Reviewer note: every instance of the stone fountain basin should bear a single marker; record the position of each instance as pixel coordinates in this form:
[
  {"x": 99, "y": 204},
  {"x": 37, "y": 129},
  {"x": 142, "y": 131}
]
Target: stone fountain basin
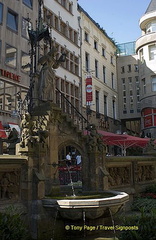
[{"x": 93, "y": 208}]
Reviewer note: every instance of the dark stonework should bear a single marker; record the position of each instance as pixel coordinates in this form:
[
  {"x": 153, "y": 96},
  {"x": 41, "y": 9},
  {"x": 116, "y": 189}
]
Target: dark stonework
[
  {"x": 9, "y": 185},
  {"x": 95, "y": 173}
]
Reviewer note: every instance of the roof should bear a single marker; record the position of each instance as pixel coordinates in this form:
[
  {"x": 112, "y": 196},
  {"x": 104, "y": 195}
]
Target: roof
[{"x": 151, "y": 7}]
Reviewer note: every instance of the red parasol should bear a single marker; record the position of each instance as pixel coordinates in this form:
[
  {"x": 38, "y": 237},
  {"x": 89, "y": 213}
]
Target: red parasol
[{"x": 2, "y": 131}]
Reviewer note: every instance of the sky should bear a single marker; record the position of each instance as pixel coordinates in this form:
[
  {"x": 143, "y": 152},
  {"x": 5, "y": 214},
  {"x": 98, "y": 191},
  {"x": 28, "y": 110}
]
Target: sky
[{"x": 119, "y": 18}]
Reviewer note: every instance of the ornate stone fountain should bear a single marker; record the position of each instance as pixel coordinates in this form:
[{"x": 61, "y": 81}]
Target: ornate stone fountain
[{"x": 45, "y": 129}]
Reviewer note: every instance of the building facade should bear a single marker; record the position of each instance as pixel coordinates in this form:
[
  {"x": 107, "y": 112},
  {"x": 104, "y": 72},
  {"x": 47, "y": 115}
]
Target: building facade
[
  {"x": 98, "y": 56},
  {"x": 128, "y": 88},
  {"x": 146, "y": 51},
  {"x": 63, "y": 19},
  {"x": 15, "y": 18}
]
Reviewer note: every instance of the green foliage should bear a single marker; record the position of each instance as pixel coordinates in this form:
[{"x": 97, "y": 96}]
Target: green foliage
[
  {"x": 145, "y": 203},
  {"x": 11, "y": 225},
  {"x": 146, "y": 226},
  {"x": 151, "y": 189}
]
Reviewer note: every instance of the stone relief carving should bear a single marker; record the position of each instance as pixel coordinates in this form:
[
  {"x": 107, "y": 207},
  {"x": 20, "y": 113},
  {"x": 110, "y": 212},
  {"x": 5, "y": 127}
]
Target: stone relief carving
[
  {"x": 9, "y": 185},
  {"x": 145, "y": 173},
  {"x": 119, "y": 176},
  {"x": 31, "y": 133}
]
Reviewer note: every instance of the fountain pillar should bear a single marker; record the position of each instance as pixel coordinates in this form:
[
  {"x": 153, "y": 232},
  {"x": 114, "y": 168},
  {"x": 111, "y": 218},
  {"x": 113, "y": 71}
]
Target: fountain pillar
[{"x": 94, "y": 170}]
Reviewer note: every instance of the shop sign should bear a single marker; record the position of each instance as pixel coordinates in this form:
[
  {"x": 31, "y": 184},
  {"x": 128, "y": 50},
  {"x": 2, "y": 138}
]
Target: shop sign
[
  {"x": 148, "y": 121},
  {"x": 10, "y": 75},
  {"x": 89, "y": 95}
]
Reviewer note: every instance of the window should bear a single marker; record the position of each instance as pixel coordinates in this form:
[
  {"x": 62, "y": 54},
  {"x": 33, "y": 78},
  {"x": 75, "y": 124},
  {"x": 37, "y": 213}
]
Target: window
[
  {"x": 56, "y": 25},
  {"x": 87, "y": 61},
  {"x": 105, "y": 105},
  {"x": 104, "y": 74},
  {"x": 129, "y": 68},
  {"x": 63, "y": 3},
  {"x": 136, "y": 68},
  {"x": 28, "y": 3},
  {"x": 96, "y": 68},
  {"x": 124, "y": 103},
  {"x": 8, "y": 96},
  {"x": 111, "y": 60},
  {"x": 63, "y": 28},
  {"x": 113, "y": 107},
  {"x": 131, "y": 92},
  {"x": 153, "y": 83},
  {"x": 112, "y": 77},
  {"x": 151, "y": 27},
  {"x": 103, "y": 52},
  {"x": 75, "y": 37},
  {"x": 95, "y": 45},
  {"x": 141, "y": 55},
  {"x": 97, "y": 100},
  {"x": 122, "y": 69},
  {"x": 130, "y": 79},
  {"x": 25, "y": 64},
  {"x": 86, "y": 37},
  {"x": 152, "y": 52},
  {"x": 123, "y": 80},
  {"x": 25, "y": 25},
  {"x": 1, "y": 12},
  {"x": 70, "y": 7},
  {"x": 12, "y": 20},
  {"x": 11, "y": 55},
  {"x": 144, "y": 85},
  {"x": 137, "y": 79}
]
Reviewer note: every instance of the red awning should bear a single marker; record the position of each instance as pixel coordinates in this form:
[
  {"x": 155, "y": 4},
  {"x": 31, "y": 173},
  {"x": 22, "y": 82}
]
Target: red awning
[
  {"x": 108, "y": 136},
  {"x": 128, "y": 141},
  {"x": 123, "y": 141},
  {"x": 2, "y": 131}
]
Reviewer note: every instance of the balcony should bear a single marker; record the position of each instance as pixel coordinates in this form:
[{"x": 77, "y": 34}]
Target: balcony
[{"x": 145, "y": 40}]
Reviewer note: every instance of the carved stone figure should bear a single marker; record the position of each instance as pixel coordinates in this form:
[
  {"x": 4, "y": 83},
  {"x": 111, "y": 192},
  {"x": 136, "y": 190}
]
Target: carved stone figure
[
  {"x": 94, "y": 139},
  {"x": 26, "y": 126},
  {"x": 46, "y": 81}
]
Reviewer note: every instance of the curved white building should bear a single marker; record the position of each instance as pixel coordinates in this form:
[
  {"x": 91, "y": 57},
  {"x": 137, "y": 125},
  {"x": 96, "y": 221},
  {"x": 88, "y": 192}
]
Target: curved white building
[{"x": 146, "y": 50}]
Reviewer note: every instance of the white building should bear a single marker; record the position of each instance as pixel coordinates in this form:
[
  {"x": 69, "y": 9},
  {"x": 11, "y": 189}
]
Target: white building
[
  {"x": 146, "y": 50},
  {"x": 63, "y": 19},
  {"x": 98, "y": 56}
]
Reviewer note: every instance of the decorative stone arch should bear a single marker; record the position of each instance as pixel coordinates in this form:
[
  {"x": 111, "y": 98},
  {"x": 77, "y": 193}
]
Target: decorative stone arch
[{"x": 73, "y": 144}]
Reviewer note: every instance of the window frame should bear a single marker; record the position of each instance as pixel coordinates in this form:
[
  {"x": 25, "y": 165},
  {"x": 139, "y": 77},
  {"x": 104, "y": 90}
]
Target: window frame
[
  {"x": 1, "y": 11},
  {"x": 86, "y": 37},
  {"x": 95, "y": 45},
  {"x": 96, "y": 68},
  {"x": 7, "y": 62},
  {"x": 27, "y": 4},
  {"x": 153, "y": 84},
  {"x": 15, "y": 15},
  {"x": 152, "y": 52},
  {"x": 87, "y": 64},
  {"x": 97, "y": 101}
]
